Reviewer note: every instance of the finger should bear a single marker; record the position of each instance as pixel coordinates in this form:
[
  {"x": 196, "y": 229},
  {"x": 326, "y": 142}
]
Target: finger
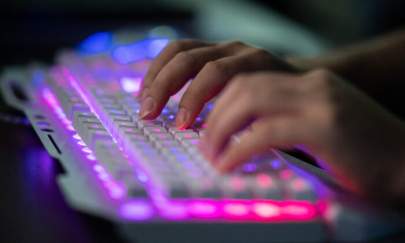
[
  {"x": 238, "y": 116},
  {"x": 176, "y": 73},
  {"x": 212, "y": 79},
  {"x": 278, "y": 132},
  {"x": 165, "y": 56},
  {"x": 227, "y": 97},
  {"x": 279, "y": 83},
  {"x": 244, "y": 100}
]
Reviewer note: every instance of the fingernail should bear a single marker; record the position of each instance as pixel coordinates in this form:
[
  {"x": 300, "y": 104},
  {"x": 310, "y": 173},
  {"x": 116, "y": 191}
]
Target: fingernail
[
  {"x": 147, "y": 106},
  {"x": 182, "y": 118}
]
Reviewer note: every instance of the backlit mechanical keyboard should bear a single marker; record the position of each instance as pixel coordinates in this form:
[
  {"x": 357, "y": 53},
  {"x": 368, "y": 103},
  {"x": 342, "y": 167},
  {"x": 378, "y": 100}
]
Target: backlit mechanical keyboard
[
  {"x": 135, "y": 158},
  {"x": 149, "y": 177}
]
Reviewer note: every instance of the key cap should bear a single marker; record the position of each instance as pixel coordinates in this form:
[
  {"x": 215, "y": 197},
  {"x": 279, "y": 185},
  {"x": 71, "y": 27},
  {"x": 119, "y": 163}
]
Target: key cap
[
  {"x": 153, "y": 123},
  {"x": 236, "y": 186},
  {"x": 98, "y": 135},
  {"x": 205, "y": 188},
  {"x": 186, "y": 135},
  {"x": 159, "y": 136},
  {"x": 154, "y": 130},
  {"x": 133, "y": 186},
  {"x": 267, "y": 186},
  {"x": 300, "y": 189}
]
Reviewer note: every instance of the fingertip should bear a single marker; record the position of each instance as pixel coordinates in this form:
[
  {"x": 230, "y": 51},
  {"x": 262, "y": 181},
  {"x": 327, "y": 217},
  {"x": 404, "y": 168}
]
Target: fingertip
[
  {"x": 223, "y": 166},
  {"x": 230, "y": 159},
  {"x": 183, "y": 118},
  {"x": 148, "y": 107}
]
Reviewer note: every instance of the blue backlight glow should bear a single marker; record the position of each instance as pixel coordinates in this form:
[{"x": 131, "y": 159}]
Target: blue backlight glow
[
  {"x": 96, "y": 43},
  {"x": 148, "y": 48}
]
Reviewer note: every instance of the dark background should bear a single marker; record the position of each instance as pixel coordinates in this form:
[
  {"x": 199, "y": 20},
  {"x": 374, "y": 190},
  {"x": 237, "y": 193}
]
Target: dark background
[
  {"x": 31, "y": 206},
  {"x": 35, "y": 29}
]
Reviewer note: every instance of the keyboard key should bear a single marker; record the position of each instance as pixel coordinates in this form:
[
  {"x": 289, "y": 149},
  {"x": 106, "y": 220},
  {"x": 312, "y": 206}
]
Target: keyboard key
[
  {"x": 300, "y": 189},
  {"x": 267, "y": 186}
]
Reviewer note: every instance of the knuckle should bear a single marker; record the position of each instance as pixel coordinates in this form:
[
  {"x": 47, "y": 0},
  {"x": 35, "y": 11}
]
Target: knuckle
[
  {"x": 175, "y": 46},
  {"x": 216, "y": 67},
  {"x": 179, "y": 45},
  {"x": 184, "y": 57},
  {"x": 321, "y": 74},
  {"x": 321, "y": 81},
  {"x": 234, "y": 44},
  {"x": 260, "y": 52}
]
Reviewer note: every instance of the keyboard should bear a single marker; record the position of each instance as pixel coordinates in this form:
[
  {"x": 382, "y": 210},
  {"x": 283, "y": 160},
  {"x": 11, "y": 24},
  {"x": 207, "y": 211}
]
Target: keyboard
[{"x": 148, "y": 177}]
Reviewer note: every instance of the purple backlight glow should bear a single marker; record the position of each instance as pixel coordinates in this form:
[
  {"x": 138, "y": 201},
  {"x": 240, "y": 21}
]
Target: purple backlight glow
[
  {"x": 136, "y": 210},
  {"x": 91, "y": 157},
  {"x": 81, "y": 143},
  {"x": 204, "y": 209},
  {"x": 255, "y": 210},
  {"x": 86, "y": 150},
  {"x": 77, "y": 137},
  {"x": 114, "y": 190}
]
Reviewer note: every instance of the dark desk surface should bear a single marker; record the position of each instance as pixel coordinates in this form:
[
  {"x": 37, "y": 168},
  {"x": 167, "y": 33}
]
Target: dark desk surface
[{"x": 32, "y": 208}]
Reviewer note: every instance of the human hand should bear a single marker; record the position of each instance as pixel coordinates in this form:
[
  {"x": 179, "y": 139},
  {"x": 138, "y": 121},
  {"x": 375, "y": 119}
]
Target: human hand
[
  {"x": 354, "y": 138},
  {"x": 211, "y": 66}
]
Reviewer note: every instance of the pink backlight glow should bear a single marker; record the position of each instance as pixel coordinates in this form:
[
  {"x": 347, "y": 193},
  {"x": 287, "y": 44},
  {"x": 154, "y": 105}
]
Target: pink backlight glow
[
  {"x": 174, "y": 210},
  {"x": 203, "y": 209},
  {"x": 286, "y": 174},
  {"x": 236, "y": 210},
  {"x": 264, "y": 180},
  {"x": 299, "y": 184},
  {"x": 50, "y": 98},
  {"x": 266, "y": 210},
  {"x": 237, "y": 183},
  {"x": 255, "y": 210},
  {"x": 298, "y": 210}
]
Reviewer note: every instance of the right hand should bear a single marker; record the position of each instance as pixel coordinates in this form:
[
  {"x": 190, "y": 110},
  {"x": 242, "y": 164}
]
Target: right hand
[
  {"x": 357, "y": 141},
  {"x": 211, "y": 66}
]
